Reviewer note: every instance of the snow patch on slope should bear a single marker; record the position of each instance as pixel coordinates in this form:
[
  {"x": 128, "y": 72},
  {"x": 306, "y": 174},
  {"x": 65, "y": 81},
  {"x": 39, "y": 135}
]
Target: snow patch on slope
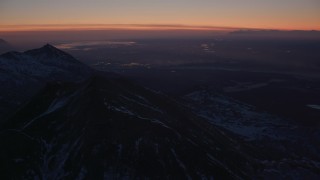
[{"x": 237, "y": 117}]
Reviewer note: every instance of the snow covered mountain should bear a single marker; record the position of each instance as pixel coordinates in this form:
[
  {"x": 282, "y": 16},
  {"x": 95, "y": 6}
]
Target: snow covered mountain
[
  {"x": 76, "y": 123},
  {"x": 47, "y": 63},
  {"x": 23, "y": 74}
]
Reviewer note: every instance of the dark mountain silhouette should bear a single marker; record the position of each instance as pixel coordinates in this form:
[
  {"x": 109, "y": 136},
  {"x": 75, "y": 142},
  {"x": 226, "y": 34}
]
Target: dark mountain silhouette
[
  {"x": 5, "y": 46},
  {"x": 49, "y": 54},
  {"x": 23, "y": 74},
  {"x": 108, "y": 127},
  {"x": 2, "y": 41}
]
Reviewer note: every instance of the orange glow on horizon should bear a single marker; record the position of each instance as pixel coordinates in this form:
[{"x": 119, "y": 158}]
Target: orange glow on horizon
[
  {"x": 204, "y": 15},
  {"x": 80, "y": 27},
  {"x": 133, "y": 27}
]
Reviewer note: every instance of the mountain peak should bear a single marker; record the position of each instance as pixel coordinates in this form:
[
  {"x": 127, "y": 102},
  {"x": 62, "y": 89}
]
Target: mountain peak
[
  {"x": 5, "y": 46},
  {"x": 3, "y": 41},
  {"x": 49, "y": 51},
  {"x": 49, "y": 46}
]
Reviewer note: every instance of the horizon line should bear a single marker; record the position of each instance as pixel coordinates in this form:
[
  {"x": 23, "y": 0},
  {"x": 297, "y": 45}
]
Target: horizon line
[{"x": 155, "y": 27}]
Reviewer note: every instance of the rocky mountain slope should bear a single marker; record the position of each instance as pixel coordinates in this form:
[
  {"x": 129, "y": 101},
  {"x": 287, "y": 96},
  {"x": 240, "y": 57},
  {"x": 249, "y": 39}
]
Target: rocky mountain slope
[
  {"x": 110, "y": 128},
  {"x": 76, "y": 123}
]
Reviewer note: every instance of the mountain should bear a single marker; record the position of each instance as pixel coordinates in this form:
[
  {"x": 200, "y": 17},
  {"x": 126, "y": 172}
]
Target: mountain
[
  {"x": 50, "y": 55},
  {"x": 76, "y": 123},
  {"x": 85, "y": 124},
  {"x": 23, "y": 74},
  {"x": 3, "y": 42},
  {"x": 108, "y": 127},
  {"x": 4, "y": 46}
]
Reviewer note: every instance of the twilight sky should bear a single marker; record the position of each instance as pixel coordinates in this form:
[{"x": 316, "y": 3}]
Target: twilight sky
[{"x": 269, "y": 14}]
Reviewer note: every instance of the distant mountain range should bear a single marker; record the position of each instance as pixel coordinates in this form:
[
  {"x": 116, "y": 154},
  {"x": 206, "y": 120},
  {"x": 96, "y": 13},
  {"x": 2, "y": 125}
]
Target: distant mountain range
[
  {"x": 294, "y": 34},
  {"x": 72, "y": 122}
]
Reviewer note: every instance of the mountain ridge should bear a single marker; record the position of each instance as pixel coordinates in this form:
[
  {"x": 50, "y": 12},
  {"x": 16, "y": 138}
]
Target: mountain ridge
[
  {"x": 24, "y": 73},
  {"x": 5, "y": 46}
]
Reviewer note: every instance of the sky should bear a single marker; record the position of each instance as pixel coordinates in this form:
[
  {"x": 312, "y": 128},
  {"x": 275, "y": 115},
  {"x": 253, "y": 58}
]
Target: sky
[{"x": 60, "y": 14}]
